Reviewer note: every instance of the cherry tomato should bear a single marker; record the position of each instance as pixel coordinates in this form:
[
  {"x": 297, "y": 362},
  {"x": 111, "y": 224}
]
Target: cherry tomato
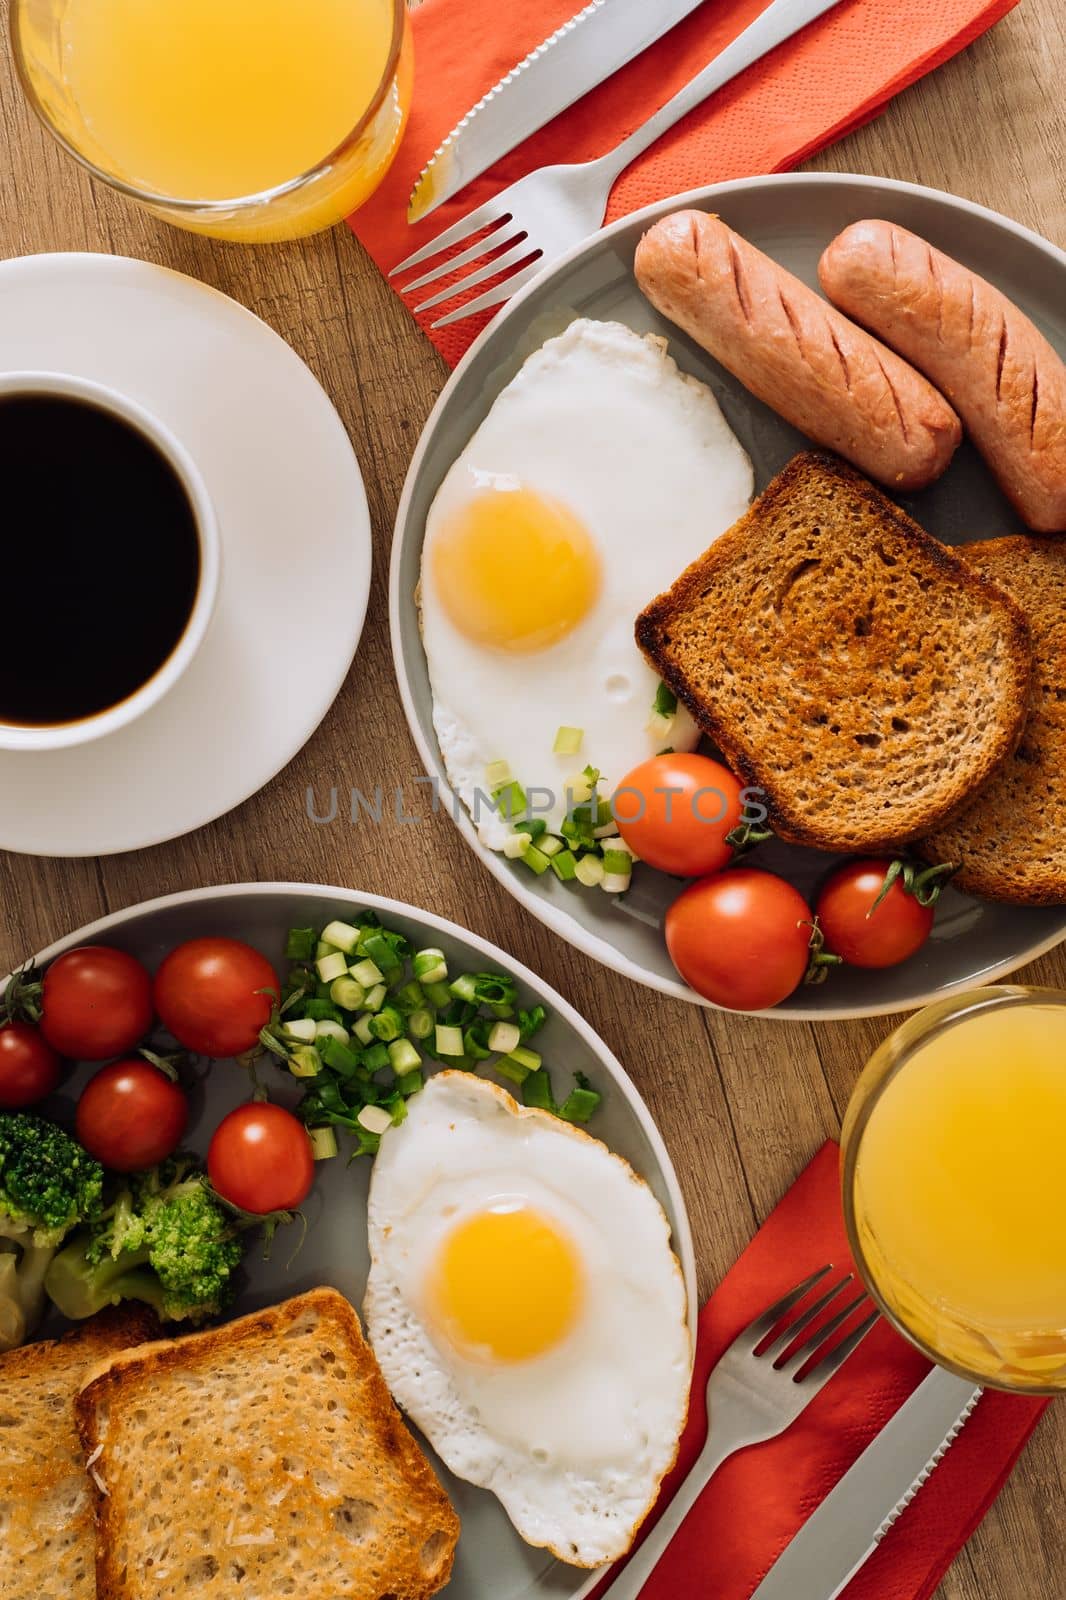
[
  {"x": 131, "y": 1116},
  {"x": 261, "y": 1160},
  {"x": 95, "y": 1002},
  {"x": 675, "y": 812},
  {"x": 865, "y": 937},
  {"x": 741, "y": 938},
  {"x": 210, "y": 994},
  {"x": 29, "y": 1067}
]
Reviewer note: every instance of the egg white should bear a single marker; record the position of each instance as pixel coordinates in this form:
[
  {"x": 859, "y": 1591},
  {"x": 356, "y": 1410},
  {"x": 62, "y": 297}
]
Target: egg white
[
  {"x": 601, "y": 419},
  {"x": 574, "y": 1442}
]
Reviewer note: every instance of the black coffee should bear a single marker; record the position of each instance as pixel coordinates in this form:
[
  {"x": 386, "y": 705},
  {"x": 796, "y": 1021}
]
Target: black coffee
[{"x": 101, "y": 560}]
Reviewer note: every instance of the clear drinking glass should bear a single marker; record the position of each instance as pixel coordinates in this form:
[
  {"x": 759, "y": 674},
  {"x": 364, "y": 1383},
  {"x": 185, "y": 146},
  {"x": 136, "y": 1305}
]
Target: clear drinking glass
[
  {"x": 175, "y": 102},
  {"x": 953, "y": 1185}
]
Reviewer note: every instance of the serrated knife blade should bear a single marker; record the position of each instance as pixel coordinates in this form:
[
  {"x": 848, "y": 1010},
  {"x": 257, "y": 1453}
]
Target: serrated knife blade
[
  {"x": 585, "y": 51},
  {"x": 856, "y": 1515}
]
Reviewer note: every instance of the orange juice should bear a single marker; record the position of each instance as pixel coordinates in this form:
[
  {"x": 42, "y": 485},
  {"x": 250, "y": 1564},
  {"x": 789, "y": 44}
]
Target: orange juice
[
  {"x": 956, "y": 1189},
  {"x": 220, "y": 100}
]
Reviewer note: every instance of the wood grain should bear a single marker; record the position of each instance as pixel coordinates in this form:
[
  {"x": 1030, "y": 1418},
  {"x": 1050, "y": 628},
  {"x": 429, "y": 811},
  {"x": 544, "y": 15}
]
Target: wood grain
[{"x": 742, "y": 1104}]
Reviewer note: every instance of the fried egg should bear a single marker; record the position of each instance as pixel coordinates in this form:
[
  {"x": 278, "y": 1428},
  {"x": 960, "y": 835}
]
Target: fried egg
[
  {"x": 600, "y": 472},
  {"x": 528, "y": 1313}
]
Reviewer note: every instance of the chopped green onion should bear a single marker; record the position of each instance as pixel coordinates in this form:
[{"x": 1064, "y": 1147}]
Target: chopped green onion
[
  {"x": 616, "y": 882},
  {"x": 516, "y": 845},
  {"x": 420, "y": 1023},
  {"x": 525, "y": 1058},
  {"x": 346, "y": 993},
  {"x": 475, "y": 1040},
  {"x": 430, "y": 966},
  {"x": 660, "y": 727},
  {"x": 368, "y": 973},
  {"x": 589, "y": 871},
  {"x": 497, "y": 775},
  {"x": 537, "y": 1091},
  {"x": 665, "y": 702},
  {"x": 511, "y": 798},
  {"x": 615, "y": 859},
  {"x": 301, "y": 1030},
  {"x": 564, "y": 865},
  {"x": 510, "y": 1070},
  {"x": 581, "y": 1102},
  {"x": 340, "y": 1057},
  {"x": 465, "y": 987},
  {"x": 375, "y": 997},
  {"x": 322, "y": 1010},
  {"x": 361, "y": 1029},
  {"x": 323, "y": 1143},
  {"x": 387, "y": 1024},
  {"x": 378, "y": 948},
  {"x": 410, "y": 996},
  {"x": 403, "y": 1057},
  {"x": 504, "y": 1037},
  {"x": 530, "y": 1022},
  {"x": 579, "y": 789},
  {"x": 437, "y": 993},
  {"x": 324, "y": 948},
  {"x": 328, "y": 1029},
  {"x": 332, "y": 966},
  {"x": 568, "y": 741},
  {"x": 534, "y": 826},
  {"x": 374, "y": 1119},
  {"x": 341, "y": 935},
  {"x": 410, "y": 1083},
  {"x": 536, "y": 860},
  {"x": 305, "y": 1062},
  {"x": 300, "y": 944},
  {"x": 375, "y": 1056},
  {"x": 550, "y": 845},
  {"x": 449, "y": 1041}
]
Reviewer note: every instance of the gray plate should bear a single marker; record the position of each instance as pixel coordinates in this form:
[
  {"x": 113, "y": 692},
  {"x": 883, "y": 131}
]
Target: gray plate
[
  {"x": 792, "y": 218},
  {"x": 491, "y": 1559}
]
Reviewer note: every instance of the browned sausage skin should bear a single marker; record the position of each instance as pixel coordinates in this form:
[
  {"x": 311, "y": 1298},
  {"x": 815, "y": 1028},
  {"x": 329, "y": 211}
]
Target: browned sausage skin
[
  {"x": 819, "y": 371},
  {"x": 996, "y": 368}
]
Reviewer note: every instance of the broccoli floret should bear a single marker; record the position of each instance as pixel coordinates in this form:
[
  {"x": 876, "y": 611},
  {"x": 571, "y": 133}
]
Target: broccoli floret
[
  {"x": 48, "y": 1185},
  {"x": 164, "y": 1239}
]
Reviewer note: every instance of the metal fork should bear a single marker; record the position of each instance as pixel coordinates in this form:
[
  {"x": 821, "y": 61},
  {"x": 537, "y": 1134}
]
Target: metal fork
[
  {"x": 754, "y": 1393},
  {"x": 539, "y": 218}
]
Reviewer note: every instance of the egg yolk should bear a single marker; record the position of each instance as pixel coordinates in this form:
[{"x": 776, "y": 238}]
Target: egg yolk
[
  {"x": 515, "y": 570},
  {"x": 507, "y": 1284}
]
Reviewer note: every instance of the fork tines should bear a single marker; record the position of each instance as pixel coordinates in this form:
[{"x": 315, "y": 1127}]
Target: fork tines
[
  {"x": 816, "y": 1355},
  {"x": 500, "y": 249}
]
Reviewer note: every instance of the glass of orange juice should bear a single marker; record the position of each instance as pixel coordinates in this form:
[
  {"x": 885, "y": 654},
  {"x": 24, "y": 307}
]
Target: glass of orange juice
[
  {"x": 245, "y": 119},
  {"x": 953, "y": 1160}
]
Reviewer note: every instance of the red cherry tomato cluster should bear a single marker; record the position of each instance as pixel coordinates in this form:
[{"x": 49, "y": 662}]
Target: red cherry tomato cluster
[
  {"x": 743, "y": 937},
  {"x": 214, "y": 995}
]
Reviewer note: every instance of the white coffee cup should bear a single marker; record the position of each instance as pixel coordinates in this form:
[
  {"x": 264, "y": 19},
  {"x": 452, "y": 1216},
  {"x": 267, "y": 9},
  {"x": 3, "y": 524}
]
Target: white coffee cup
[{"x": 19, "y": 736}]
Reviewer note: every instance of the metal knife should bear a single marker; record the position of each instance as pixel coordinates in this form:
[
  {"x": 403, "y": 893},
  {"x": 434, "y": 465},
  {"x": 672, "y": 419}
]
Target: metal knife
[
  {"x": 856, "y": 1515},
  {"x": 582, "y": 53}
]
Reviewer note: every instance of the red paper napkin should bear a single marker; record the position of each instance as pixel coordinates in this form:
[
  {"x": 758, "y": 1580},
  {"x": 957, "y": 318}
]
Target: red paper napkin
[
  {"x": 759, "y": 1498},
  {"x": 836, "y": 75}
]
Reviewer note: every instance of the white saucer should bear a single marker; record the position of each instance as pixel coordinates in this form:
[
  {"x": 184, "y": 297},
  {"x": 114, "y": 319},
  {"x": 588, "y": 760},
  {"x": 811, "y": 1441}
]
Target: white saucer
[{"x": 295, "y": 551}]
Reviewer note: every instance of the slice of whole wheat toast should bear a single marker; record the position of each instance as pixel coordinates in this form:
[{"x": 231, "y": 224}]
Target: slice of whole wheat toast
[
  {"x": 844, "y": 662},
  {"x": 46, "y": 1519},
  {"x": 1011, "y": 843},
  {"x": 259, "y": 1460}
]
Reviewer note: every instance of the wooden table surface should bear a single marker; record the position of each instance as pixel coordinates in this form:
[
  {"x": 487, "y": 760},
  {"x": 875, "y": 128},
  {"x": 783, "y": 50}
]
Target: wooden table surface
[{"x": 991, "y": 126}]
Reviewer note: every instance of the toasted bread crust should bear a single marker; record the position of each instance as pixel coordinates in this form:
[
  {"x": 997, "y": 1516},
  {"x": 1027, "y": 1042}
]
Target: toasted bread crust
[
  {"x": 1011, "y": 844},
  {"x": 48, "y": 1544},
  {"x": 836, "y": 711},
  {"x": 382, "y": 1525}
]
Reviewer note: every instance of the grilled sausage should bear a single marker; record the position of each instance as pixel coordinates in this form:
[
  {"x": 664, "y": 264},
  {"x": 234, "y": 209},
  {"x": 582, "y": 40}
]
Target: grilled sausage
[
  {"x": 816, "y": 369},
  {"x": 996, "y": 368}
]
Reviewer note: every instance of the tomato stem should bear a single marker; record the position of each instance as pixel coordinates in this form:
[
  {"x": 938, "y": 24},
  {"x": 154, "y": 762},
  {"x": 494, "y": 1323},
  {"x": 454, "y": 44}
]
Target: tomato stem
[
  {"x": 923, "y": 883},
  {"x": 821, "y": 959}
]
